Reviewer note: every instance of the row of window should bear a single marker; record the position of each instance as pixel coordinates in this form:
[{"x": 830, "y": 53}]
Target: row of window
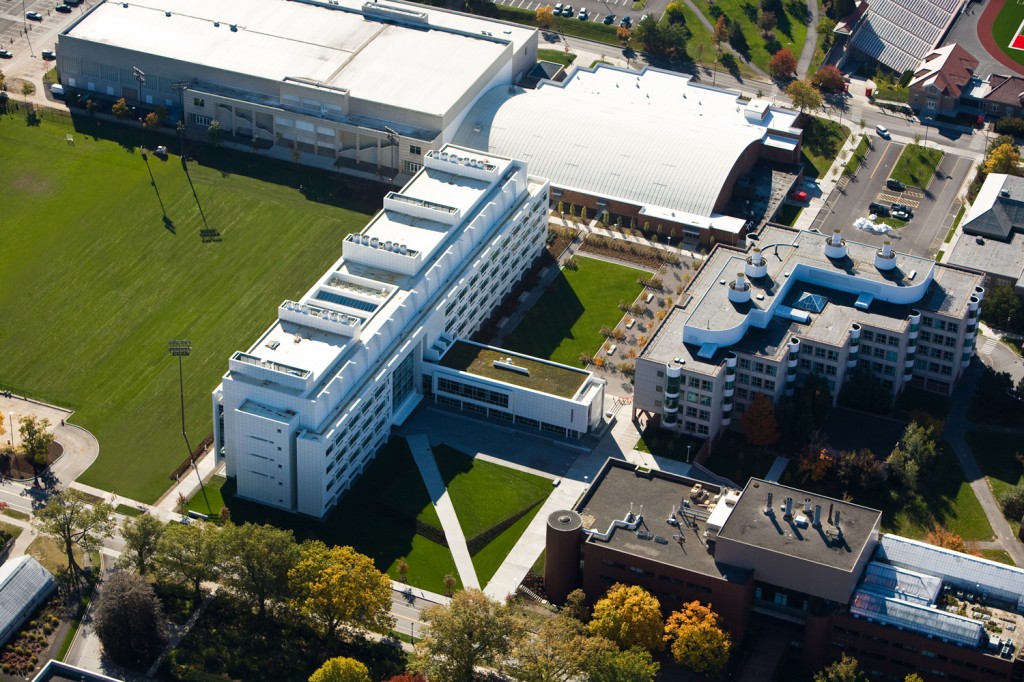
[
  {"x": 940, "y": 325},
  {"x": 758, "y": 366},
  {"x": 938, "y": 339},
  {"x": 820, "y": 352},
  {"x": 756, "y": 382},
  {"x": 477, "y": 393},
  {"x": 702, "y": 384}
]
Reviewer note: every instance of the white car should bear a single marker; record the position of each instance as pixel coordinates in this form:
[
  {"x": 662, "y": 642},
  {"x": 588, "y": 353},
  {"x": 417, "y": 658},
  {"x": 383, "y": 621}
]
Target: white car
[{"x": 882, "y": 131}]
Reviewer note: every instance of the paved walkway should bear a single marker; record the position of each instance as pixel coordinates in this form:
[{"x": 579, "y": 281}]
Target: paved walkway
[
  {"x": 726, "y": 47},
  {"x": 421, "y": 453},
  {"x": 957, "y": 426},
  {"x": 778, "y": 466},
  {"x": 810, "y": 44}
]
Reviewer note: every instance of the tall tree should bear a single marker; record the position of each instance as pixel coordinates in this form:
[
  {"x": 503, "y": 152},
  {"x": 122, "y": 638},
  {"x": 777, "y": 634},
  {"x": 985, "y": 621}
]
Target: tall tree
[
  {"x": 473, "y": 630},
  {"x": 338, "y": 586},
  {"x": 629, "y": 616},
  {"x": 141, "y": 536},
  {"x": 1002, "y": 308},
  {"x": 696, "y": 639},
  {"x": 556, "y": 652},
  {"x": 843, "y": 8},
  {"x": 256, "y": 561},
  {"x": 71, "y": 520},
  {"x": 721, "y": 32},
  {"x": 767, "y": 22},
  {"x": 782, "y": 64},
  {"x": 942, "y": 537},
  {"x": 1003, "y": 159},
  {"x": 214, "y": 133},
  {"x": 128, "y": 620},
  {"x": 829, "y": 79},
  {"x": 804, "y": 95},
  {"x": 759, "y": 425},
  {"x": 188, "y": 553},
  {"x": 341, "y": 669},
  {"x": 607, "y": 663},
  {"x": 545, "y": 16},
  {"x": 35, "y": 442},
  {"x": 843, "y": 670}
]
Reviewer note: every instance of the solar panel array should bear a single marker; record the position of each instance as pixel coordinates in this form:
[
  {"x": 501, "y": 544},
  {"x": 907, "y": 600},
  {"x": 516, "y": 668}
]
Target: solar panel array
[
  {"x": 898, "y": 583},
  {"x": 899, "y": 33},
  {"x": 928, "y": 621}
]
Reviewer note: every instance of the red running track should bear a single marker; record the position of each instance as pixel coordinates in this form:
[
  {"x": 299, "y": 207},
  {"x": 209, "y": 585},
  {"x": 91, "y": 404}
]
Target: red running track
[{"x": 986, "y": 22}]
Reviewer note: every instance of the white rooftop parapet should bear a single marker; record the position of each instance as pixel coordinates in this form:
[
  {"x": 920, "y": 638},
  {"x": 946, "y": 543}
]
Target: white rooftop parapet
[{"x": 462, "y": 163}]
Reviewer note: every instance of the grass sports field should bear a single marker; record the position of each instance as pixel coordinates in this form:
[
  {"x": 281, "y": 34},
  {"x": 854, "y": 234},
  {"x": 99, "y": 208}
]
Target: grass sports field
[
  {"x": 93, "y": 283},
  {"x": 1006, "y": 28},
  {"x": 567, "y": 319}
]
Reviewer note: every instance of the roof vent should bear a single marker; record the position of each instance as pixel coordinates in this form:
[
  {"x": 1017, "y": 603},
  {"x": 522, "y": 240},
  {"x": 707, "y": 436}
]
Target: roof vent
[
  {"x": 167, "y": 14},
  {"x": 216, "y": 23},
  {"x": 1004, "y": 193},
  {"x": 234, "y": 28}
]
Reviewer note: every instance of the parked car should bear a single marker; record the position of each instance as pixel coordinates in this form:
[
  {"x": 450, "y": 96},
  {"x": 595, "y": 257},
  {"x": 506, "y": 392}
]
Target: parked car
[
  {"x": 558, "y": 9},
  {"x": 883, "y": 132},
  {"x": 901, "y": 215},
  {"x": 33, "y": 16},
  {"x": 4, "y": 54},
  {"x": 57, "y": 90},
  {"x": 902, "y": 207},
  {"x": 64, "y": 8},
  {"x": 567, "y": 11},
  {"x": 73, "y": 3},
  {"x": 626, "y": 21},
  {"x": 48, "y": 54},
  {"x": 609, "y": 19},
  {"x": 798, "y": 195},
  {"x": 878, "y": 209},
  {"x": 892, "y": 183},
  {"x": 583, "y": 16}
]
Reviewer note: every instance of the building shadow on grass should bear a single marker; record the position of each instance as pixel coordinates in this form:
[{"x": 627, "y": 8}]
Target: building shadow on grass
[
  {"x": 316, "y": 184},
  {"x": 549, "y": 322}
]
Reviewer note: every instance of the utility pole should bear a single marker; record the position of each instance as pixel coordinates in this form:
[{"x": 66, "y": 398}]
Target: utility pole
[
  {"x": 182, "y": 349},
  {"x": 393, "y": 139},
  {"x": 180, "y": 86}
]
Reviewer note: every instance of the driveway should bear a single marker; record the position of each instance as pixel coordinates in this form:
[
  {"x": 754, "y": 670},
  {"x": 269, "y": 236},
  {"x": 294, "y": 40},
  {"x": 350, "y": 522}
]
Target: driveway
[{"x": 80, "y": 447}]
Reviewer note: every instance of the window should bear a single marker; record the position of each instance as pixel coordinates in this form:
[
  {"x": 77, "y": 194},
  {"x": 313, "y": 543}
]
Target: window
[
  {"x": 691, "y": 397},
  {"x": 940, "y": 325},
  {"x": 769, "y": 385},
  {"x": 199, "y": 102},
  {"x": 771, "y": 370},
  {"x": 200, "y": 120},
  {"x": 894, "y": 341},
  {"x": 693, "y": 382},
  {"x": 744, "y": 363},
  {"x": 868, "y": 335},
  {"x": 807, "y": 348},
  {"x": 704, "y": 415},
  {"x": 756, "y": 382},
  {"x": 881, "y": 338},
  {"x": 706, "y": 385},
  {"x": 704, "y": 400},
  {"x": 805, "y": 363},
  {"x": 925, "y": 336},
  {"x": 819, "y": 352},
  {"x": 759, "y": 367},
  {"x": 952, "y": 327},
  {"x": 742, "y": 393},
  {"x": 691, "y": 411},
  {"x": 411, "y": 167},
  {"x": 878, "y": 352},
  {"x": 660, "y": 374},
  {"x": 743, "y": 379},
  {"x": 830, "y": 370},
  {"x": 415, "y": 149},
  {"x": 890, "y": 356},
  {"x": 819, "y": 367},
  {"x": 833, "y": 356},
  {"x": 947, "y": 356},
  {"x": 949, "y": 342},
  {"x": 703, "y": 429}
]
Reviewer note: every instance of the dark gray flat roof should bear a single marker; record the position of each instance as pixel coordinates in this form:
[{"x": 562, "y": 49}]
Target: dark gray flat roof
[
  {"x": 619, "y": 486},
  {"x": 748, "y": 524}
]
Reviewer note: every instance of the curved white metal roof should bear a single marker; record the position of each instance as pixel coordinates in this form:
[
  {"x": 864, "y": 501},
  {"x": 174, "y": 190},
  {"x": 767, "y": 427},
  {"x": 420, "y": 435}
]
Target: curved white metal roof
[{"x": 652, "y": 138}]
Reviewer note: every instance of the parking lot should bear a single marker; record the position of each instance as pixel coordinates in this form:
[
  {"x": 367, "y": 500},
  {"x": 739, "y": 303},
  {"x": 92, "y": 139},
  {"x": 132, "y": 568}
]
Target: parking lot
[
  {"x": 597, "y": 11},
  {"x": 41, "y": 34},
  {"x": 934, "y": 207}
]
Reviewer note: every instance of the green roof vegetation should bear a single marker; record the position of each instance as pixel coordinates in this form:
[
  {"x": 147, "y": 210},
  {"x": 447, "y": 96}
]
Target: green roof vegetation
[{"x": 543, "y": 376}]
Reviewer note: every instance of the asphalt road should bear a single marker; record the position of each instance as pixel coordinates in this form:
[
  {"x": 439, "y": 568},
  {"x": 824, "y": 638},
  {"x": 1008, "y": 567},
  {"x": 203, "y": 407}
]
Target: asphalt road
[{"x": 935, "y": 208}]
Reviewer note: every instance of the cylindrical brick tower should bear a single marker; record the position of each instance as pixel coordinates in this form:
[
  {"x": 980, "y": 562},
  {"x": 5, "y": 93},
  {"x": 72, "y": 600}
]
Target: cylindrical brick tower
[{"x": 562, "y": 563}]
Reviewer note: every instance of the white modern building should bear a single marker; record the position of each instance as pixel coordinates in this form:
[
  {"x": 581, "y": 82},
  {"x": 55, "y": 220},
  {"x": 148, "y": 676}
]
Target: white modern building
[
  {"x": 301, "y": 413},
  {"x": 366, "y": 88},
  {"x": 761, "y": 319}
]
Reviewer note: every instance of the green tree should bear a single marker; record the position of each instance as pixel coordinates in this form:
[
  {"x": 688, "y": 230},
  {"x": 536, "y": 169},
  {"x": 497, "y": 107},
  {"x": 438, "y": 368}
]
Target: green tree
[
  {"x": 767, "y": 22},
  {"x": 782, "y": 64},
  {"x": 843, "y": 8},
  {"x": 36, "y": 439},
  {"x": 915, "y": 452},
  {"x": 1001, "y": 308},
  {"x": 606, "y": 663},
  {"x": 91, "y": 106},
  {"x": 913, "y": 677},
  {"x": 129, "y": 621},
  {"x": 629, "y": 616},
  {"x": 338, "y": 586},
  {"x": 28, "y": 89},
  {"x": 120, "y": 109},
  {"x": 557, "y": 651},
  {"x": 214, "y": 133},
  {"x": 1012, "y": 502},
  {"x": 341, "y": 669},
  {"x": 473, "y": 630},
  {"x": 72, "y": 520},
  {"x": 758, "y": 422},
  {"x": 863, "y": 391},
  {"x": 576, "y": 606},
  {"x": 1003, "y": 159},
  {"x": 256, "y": 561},
  {"x": 141, "y": 536},
  {"x": 843, "y": 670},
  {"x": 188, "y": 553},
  {"x": 696, "y": 639},
  {"x": 804, "y": 95}
]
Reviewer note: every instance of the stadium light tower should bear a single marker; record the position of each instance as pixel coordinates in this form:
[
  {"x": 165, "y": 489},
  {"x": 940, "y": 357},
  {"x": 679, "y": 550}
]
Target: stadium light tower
[{"x": 182, "y": 349}]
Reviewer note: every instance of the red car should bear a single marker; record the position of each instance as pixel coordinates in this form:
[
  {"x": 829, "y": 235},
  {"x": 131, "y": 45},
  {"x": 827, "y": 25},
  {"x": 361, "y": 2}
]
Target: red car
[{"x": 798, "y": 196}]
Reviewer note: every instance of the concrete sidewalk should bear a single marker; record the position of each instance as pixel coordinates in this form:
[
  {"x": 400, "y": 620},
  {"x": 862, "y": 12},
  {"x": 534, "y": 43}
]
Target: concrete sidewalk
[{"x": 424, "y": 457}]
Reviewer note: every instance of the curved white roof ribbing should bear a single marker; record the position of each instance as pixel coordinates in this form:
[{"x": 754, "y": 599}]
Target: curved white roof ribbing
[{"x": 651, "y": 138}]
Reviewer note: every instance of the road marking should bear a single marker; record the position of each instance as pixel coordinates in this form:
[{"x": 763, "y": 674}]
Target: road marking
[
  {"x": 888, "y": 146},
  {"x": 895, "y": 199},
  {"x": 913, "y": 193}
]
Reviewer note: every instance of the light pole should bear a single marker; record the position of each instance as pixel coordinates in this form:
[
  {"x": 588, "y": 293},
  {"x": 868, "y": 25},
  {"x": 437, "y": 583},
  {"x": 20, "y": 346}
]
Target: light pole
[
  {"x": 688, "y": 446},
  {"x": 393, "y": 139},
  {"x": 12, "y": 428},
  {"x": 182, "y": 349},
  {"x": 180, "y": 87}
]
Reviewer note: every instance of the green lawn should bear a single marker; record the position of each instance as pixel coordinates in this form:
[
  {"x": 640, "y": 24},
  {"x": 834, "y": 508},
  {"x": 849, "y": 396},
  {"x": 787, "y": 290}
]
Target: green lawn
[
  {"x": 567, "y": 320},
  {"x": 945, "y": 499},
  {"x": 487, "y": 561},
  {"x": 858, "y": 157},
  {"x": 530, "y": 373},
  {"x": 379, "y": 516},
  {"x": 212, "y": 502},
  {"x": 670, "y": 444},
  {"x": 822, "y": 141},
  {"x": 11, "y": 529},
  {"x": 557, "y": 56},
  {"x": 94, "y": 284},
  {"x": 996, "y": 454},
  {"x": 590, "y": 30},
  {"x": 1006, "y": 24},
  {"x": 791, "y": 32},
  {"x": 956, "y": 223},
  {"x": 128, "y": 510},
  {"x": 916, "y": 165},
  {"x": 999, "y": 555}
]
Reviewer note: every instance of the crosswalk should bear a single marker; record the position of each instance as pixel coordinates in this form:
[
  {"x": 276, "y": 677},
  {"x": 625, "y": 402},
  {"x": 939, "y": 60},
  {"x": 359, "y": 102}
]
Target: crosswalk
[{"x": 986, "y": 344}]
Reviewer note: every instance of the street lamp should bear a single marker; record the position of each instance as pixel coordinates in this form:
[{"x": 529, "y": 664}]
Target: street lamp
[
  {"x": 182, "y": 349},
  {"x": 393, "y": 139},
  {"x": 11, "y": 441},
  {"x": 688, "y": 446},
  {"x": 180, "y": 87}
]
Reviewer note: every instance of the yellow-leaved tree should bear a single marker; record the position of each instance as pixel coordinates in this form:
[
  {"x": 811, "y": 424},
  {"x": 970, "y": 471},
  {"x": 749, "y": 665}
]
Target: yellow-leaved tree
[
  {"x": 545, "y": 16},
  {"x": 696, "y": 639},
  {"x": 341, "y": 669},
  {"x": 629, "y": 616},
  {"x": 1003, "y": 159},
  {"x": 338, "y": 586}
]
